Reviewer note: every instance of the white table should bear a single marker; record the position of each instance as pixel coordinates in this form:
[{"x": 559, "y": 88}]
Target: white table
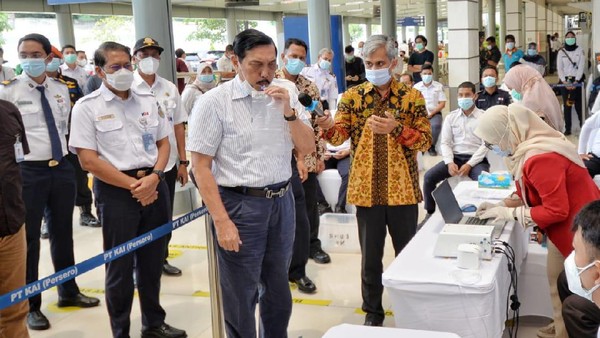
[
  {"x": 359, "y": 331},
  {"x": 432, "y": 293}
]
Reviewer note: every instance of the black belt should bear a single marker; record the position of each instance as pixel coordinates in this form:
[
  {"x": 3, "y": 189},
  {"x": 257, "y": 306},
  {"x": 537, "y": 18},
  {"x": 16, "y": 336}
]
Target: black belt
[
  {"x": 266, "y": 192},
  {"x": 44, "y": 164},
  {"x": 138, "y": 173}
]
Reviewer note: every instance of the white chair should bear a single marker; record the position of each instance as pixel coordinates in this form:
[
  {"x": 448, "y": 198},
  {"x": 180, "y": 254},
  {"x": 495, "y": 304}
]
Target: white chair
[{"x": 330, "y": 182}]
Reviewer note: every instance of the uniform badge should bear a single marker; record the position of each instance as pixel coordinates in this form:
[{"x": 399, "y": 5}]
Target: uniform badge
[{"x": 161, "y": 113}]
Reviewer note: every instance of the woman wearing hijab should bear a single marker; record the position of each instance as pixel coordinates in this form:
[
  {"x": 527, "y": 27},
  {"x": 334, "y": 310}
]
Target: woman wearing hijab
[
  {"x": 205, "y": 81},
  {"x": 570, "y": 64},
  {"x": 552, "y": 183},
  {"x": 530, "y": 89}
]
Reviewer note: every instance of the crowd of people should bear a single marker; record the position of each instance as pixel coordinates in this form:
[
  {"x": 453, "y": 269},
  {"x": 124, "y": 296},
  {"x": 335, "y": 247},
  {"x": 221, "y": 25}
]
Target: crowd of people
[{"x": 256, "y": 152}]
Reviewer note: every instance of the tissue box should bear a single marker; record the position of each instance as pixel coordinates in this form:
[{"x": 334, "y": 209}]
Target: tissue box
[{"x": 498, "y": 180}]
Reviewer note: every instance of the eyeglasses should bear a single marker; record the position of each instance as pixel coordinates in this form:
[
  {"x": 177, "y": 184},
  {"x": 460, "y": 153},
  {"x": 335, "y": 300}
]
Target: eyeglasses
[
  {"x": 116, "y": 68},
  {"x": 488, "y": 145}
]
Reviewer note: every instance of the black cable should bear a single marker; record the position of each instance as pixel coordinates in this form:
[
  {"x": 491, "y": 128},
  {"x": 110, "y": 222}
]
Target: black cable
[{"x": 513, "y": 298}]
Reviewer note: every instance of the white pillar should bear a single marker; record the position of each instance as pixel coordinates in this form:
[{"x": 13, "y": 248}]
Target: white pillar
[
  {"x": 231, "y": 25},
  {"x": 319, "y": 27},
  {"x": 514, "y": 21},
  {"x": 64, "y": 20},
  {"x": 347, "y": 40},
  {"x": 502, "y": 30},
  {"x": 280, "y": 41},
  {"x": 541, "y": 28},
  {"x": 368, "y": 28},
  {"x": 388, "y": 18},
  {"x": 531, "y": 23},
  {"x": 463, "y": 58},
  {"x": 404, "y": 38},
  {"x": 480, "y": 15},
  {"x": 491, "y": 27},
  {"x": 595, "y": 28},
  {"x": 431, "y": 25}
]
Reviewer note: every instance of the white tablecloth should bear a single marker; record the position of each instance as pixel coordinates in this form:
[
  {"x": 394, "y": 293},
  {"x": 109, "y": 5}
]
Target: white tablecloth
[
  {"x": 359, "y": 331},
  {"x": 431, "y": 293}
]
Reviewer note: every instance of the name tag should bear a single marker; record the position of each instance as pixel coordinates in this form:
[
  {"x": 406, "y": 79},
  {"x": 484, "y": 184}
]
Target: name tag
[
  {"x": 23, "y": 103},
  {"x": 19, "y": 154},
  {"x": 149, "y": 143},
  {"x": 105, "y": 117}
]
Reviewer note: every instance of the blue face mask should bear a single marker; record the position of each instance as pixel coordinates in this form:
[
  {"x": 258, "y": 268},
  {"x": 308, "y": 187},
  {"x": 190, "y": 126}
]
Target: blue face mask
[
  {"x": 427, "y": 78},
  {"x": 378, "y": 77},
  {"x": 53, "y": 65},
  {"x": 531, "y": 52},
  {"x": 516, "y": 95},
  {"x": 71, "y": 58},
  {"x": 33, "y": 67},
  {"x": 489, "y": 81},
  {"x": 324, "y": 64},
  {"x": 206, "y": 78},
  {"x": 502, "y": 153},
  {"x": 419, "y": 46},
  {"x": 465, "y": 103},
  {"x": 294, "y": 66}
]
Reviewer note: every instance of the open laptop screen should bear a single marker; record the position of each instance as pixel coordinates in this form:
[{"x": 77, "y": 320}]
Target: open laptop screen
[{"x": 446, "y": 202}]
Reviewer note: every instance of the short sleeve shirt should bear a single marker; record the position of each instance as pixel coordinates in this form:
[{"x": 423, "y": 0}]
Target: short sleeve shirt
[{"x": 419, "y": 59}]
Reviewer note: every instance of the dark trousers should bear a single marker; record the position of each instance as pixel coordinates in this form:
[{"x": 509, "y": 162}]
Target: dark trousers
[
  {"x": 84, "y": 194},
  {"x": 343, "y": 167},
  {"x": 171, "y": 180},
  {"x": 573, "y": 95},
  {"x": 401, "y": 223},
  {"x": 311, "y": 188},
  {"x": 297, "y": 268},
  {"x": 53, "y": 188},
  {"x": 593, "y": 165},
  {"x": 436, "y": 128},
  {"x": 124, "y": 218},
  {"x": 439, "y": 172},
  {"x": 258, "y": 272},
  {"x": 581, "y": 316}
]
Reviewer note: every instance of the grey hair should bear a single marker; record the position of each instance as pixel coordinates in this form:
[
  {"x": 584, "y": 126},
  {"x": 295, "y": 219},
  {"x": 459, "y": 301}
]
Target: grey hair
[
  {"x": 374, "y": 42},
  {"x": 325, "y": 50}
]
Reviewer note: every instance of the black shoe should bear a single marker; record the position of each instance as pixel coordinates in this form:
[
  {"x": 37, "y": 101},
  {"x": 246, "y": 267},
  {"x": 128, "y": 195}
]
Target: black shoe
[
  {"x": 171, "y": 270},
  {"x": 44, "y": 231},
  {"x": 432, "y": 152},
  {"x": 567, "y": 132},
  {"x": 320, "y": 257},
  {"x": 163, "y": 331},
  {"x": 305, "y": 285},
  {"x": 372, "y": 319},
  {"x": 420, "y": 225},
  {"x": 324, "y": 208},
  {"x": 80, "y": 300},
  {"x": 37, "y": 321},
  {"x": 340, "y": 210},
  {"x": 86, "y": 218}
]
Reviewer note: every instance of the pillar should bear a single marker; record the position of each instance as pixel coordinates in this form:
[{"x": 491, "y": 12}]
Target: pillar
[
  {"x": 319, "y": 27},
  {"x": 480, "y": 16},
  {"x": 347, "y": 40},
  {"x": 431, "y": 25},
  {"x": 66, "y": 34},
  {"x": 154, "y": 19},
  {"x": 463, "y": 58},
  {"x": 514, "y": 21},
  {"x": 531, "y": 23},
  {"x": 388, "y": 18},
  {"x": 491, "y": 26},
  {"x": 230, "y": 25},
  {"x": 368, "y": 28},
  {"x": 541, "y": 28},
  {"x": 502, "y": 30},
  {"x": 404, "y": 38},
  {"x": 595, "y": 28},
  {"x": 280, "y": 41}
]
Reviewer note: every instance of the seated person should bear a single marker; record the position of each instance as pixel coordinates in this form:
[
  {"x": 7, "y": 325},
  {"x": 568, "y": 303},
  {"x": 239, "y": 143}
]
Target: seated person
[
  {"x": 589, "y": 144},
  {"x": 463, "y": 153},
  {"x": 435, "y": 101},
  {"x": 533, "y": 59},
  {"x": 337, "y": 158},
  {"x": 491, "y": 95},
  {"x": 407, "y": 79},
  {"x": 578, "y": 284}
]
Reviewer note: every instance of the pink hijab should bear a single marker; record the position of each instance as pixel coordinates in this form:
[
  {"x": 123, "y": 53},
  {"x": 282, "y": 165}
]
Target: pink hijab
[{"x": 537, "y": 94}]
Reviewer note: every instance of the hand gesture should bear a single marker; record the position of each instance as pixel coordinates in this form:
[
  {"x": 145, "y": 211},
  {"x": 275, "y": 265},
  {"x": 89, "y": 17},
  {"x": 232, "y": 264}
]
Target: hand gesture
[
  {"x": 452, "y": 169},
  {"x": 280, "y": 95},
  {"x": 144, "y": 189},
  {"x": 464, "y": 170},
  {"x": 382, "y": 125}
]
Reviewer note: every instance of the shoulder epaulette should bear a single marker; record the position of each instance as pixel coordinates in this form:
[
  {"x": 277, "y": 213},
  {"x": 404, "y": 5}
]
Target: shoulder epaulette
[{"x": 7, "y": 82}]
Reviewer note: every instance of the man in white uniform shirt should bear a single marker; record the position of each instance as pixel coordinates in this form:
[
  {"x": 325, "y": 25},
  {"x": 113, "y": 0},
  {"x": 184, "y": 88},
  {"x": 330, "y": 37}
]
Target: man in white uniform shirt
[
  {"x": 241, "y": 138},
  {"x": 70, "y": 68},
  {"x": 147, "y": 58},
  {"x": 48, "y": 177},
  {"x": 225, "y": 63},
  {"x": 463, "y": 153},
  {"x": 435, "y": 101},
  {"x": 121, "y": 137},
  {"x": 321, "y": 74}
]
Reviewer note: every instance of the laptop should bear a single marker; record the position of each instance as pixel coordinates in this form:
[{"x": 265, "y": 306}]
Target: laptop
[{"x": 452, "y": 214}]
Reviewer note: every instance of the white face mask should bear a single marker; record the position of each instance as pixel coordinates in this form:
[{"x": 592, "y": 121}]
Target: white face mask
[
  {"x": 573, "y": 274},
  {"x": 82, "y": 62},
  {"x": 120, "y": 80},
  {"x": 149, "y": 65}
]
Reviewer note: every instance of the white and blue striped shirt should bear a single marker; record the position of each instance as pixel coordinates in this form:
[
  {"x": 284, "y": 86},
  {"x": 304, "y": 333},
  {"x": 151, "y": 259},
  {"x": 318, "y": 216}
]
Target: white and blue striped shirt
[{"x": 221, "y": 126}]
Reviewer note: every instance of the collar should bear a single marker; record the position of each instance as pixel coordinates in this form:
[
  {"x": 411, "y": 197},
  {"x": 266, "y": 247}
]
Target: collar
[
  {"x": 394, "y": 88},
  {"x": 238, "y": 89},
  {"x": 32, "y": 84},
  {"x": 108, "y": 95},
  {"x": 475, "y": 113},
  {"x": 139, "y": 82},
  {"x": 484, "y": 92}
]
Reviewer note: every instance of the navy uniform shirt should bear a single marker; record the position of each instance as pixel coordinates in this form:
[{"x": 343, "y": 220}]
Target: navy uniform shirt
[
  {"x": 12, "y": 208},
  {"x": 486, "y": 100}
]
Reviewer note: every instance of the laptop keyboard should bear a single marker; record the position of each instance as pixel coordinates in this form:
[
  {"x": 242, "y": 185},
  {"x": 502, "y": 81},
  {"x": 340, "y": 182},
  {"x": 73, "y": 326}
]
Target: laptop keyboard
[{"x": 476, "y": 221}]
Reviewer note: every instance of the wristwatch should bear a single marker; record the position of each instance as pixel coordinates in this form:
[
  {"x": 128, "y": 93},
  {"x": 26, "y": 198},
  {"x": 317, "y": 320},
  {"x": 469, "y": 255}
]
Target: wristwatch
[
  {"x": 159, "y": 173},
  {"x": 291, "y": 118},
  {"x": 184, "y": 163}
]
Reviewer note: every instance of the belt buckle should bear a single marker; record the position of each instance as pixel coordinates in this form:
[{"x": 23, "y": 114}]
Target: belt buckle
[
  {"x": 272, "y": 193},
  {"x": 52, "y": 163}
]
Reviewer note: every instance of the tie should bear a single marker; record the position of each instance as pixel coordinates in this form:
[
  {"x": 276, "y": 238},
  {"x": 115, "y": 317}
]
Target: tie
[{"x": 52, "y": 130}]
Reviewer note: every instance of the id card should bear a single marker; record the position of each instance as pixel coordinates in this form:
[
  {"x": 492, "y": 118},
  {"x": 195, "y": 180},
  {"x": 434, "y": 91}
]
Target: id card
[
  {"x": 63, "y": 127},
  {"x": 19, "y": 154},
  {"x": 149, "y": 142}
]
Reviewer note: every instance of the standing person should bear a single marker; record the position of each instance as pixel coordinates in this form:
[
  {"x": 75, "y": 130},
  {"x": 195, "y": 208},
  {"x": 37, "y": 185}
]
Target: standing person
[
  {"x": 435, "y": 101},
  {"x": 82, "y": 61},
  {"x": 355, "y": 68},
  {"x": 463, "y": 153},
  {"x": 571, "y": 65},
  {"x": 321, "y": 73},
  {"x": 48, "y": 178},
  {"x": 181, "y": 66},
  {"x": 552, "y": 183},
  {"x": 512, "y": 53},
  {"x": 419, "y": 58},
  {"x": 491, "y": 95},
  {"x": 388, "y": 124},
  {"x": 246, "y": 191},
  {"x": 529, "y": 88},
  {"x": 146, "y": 56},
  {"x": 359, "y": 50},
  {"x": 7, "y": 73},
  {"x": 70, "y": 67},
  {"x": 589, "y": 145},
  {"x": 13, "y": 245},
  {"x": 225, "y": 63},
  {"x": 127, "y": 164},
  {"x": 491, "y": 54},
  {"x": 534, "y": 59},
  {"x": 205, "y": 81}
]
